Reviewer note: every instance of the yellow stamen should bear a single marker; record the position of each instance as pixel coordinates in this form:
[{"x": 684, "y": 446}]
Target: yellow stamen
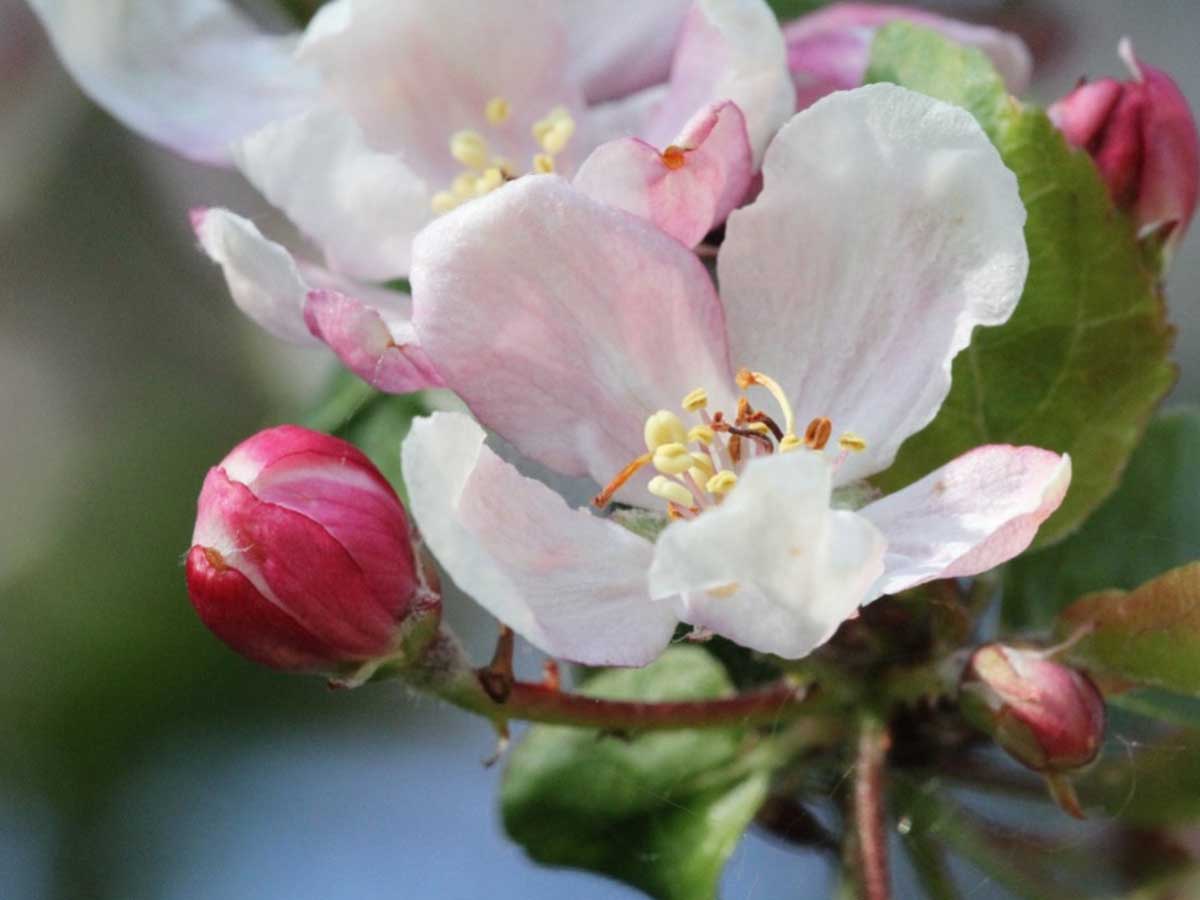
[
  {"x": 851, "y": 441},
  {"x": 721, "y": 483},
  {"x": 724, "y": 591},
  {"x": 555, "y": 140},
  {"x": 696, "y": 400},
  {"x": 672, "y": 459},
  {"x": 745, "y": 378},
  {"x": 543, "y": 163},
  {"x": 664, "y": 427},
  {"x": 488, "y": 182},
  {"x": 470, "y": 148},
  {"x": 758, "y": 427},
  {"x": 701, "y": 433},
  {"x": 497, "y": 111},
  {"x": 603, "y": 498},
  {"x": 816, "y": 435},
  {"x": 443, "y": 202},
  {"x": 789, "y": 442},
  {"x": 671, "y": 491},
  {"x": 702, "y": 463},
  {"x": 463, "y": 185}
]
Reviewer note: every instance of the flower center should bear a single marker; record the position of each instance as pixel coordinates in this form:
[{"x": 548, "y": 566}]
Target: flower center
[
  {"x": 484, "y": 171},
  {"x": 698, "y": 466}
]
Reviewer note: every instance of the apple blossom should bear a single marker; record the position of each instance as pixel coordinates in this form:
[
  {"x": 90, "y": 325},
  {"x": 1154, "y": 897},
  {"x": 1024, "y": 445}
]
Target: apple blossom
[
  {"x": 384, "y": 114},
  {"x": 733, "y": 434},
  {"x": 1143, "y": 139},
  {"x": 828, "y": 50},
  {"x": 302, "y": 556}
]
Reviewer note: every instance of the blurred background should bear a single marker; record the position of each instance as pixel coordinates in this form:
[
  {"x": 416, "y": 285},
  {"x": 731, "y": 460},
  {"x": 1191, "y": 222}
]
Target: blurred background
[{"x": 138, "y": 758}]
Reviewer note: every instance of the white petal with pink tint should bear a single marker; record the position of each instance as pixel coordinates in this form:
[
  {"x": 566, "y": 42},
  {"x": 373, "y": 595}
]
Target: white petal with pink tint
[
  {"x": 360, "y": 206},
  {"x": 194, "y": 75},
  {"x": 263, "y": 279},
  {"x": 971, "y": 515},
  {"x": 570, "y": 583},
  {"x": 564, "y": 323},
  {"x": 685, "y": 193},
  {"x": 412, "y": 73},
  {"x": 886, "y": 230},
  {"x": 728, "y": 50},
  {"x": 772, "y": 568},
  {"x": 377, "y": 343}
]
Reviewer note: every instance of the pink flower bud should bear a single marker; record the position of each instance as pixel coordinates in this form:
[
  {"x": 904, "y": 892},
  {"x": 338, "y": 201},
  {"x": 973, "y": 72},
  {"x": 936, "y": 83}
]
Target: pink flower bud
[
  {"x": 1048, "y": 716},
  {"x": 829, "y": 50},
  {"x": 302, "y": 557},
  {"x": 1143, "y": 139}
]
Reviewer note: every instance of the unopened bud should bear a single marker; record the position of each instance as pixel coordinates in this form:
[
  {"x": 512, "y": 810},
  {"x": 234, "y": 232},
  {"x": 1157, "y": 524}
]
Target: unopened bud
[
  {"x": 302, "y": 558},
  {"x": 1142, "y": 137},
  {"x": 1048, "y": 716}
]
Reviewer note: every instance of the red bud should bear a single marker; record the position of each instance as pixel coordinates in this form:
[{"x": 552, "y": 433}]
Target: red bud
[
  {"x": 302, "y": 557},
  {"x": 1048, "y": 716}
]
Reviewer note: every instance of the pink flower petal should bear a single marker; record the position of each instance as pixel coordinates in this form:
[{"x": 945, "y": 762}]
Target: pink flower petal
[
  {"x": 886, "y": 230},
  {"x": 971, "y": 515},
  {"x": 686, "y": 190},
  {"x": 729, "y": 50},
  {"x": 570, "y": 583},
  {"x": 564, "y": 323},
  {"x": 773, "y": 567},
  {"x": 194, "y": 75},
  {"x": 379, "y": 345}
]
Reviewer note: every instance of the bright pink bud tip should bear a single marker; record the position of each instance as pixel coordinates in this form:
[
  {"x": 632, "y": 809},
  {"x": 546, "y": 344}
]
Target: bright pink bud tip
[
  {"x": 1048, "y": 716},
  {"x": 302, "y": 557},
  {"x": 1143, "y": 139}
]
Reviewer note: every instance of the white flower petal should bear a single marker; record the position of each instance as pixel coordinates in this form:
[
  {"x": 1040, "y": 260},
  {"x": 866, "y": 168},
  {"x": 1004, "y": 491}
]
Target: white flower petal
[
  {"x": 971, "y": 515},
  {"x": 773, "y": 567},
  {"x": 570, "y": 583},
  {"x": 194, "y": 75},
  {"x": 887, "y": 229},
  {"x": 360, "y": 206}
]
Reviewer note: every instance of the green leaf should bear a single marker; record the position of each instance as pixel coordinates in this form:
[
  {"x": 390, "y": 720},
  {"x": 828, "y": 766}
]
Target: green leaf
[
  {"x": 661, "y": 812},
  {"x": 1082, "y": 363},
  {"x": 1150, "y": 636},
  {"x": 1163, "y": 706},
  {"x": 1150, "y": 784},
  {"x": 788, "y": 9},
  {"x": 1152, "y": 522},
  {"x": 344, "y": 396}
]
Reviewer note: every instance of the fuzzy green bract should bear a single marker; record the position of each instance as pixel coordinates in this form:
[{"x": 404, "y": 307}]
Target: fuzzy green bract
[
  {"x": 1083, "y": 362},
  {"x": 661, "y": 812}
]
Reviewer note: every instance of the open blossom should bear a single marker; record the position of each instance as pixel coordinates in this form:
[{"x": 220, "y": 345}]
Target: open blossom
[
  {"x": 829, "y": 50},
  {"x": 1143, "y": 139},
  {"x": 733, "y": 433},
  {"x": 302, "y": 556},
  {"x": 384, "y": 114}
]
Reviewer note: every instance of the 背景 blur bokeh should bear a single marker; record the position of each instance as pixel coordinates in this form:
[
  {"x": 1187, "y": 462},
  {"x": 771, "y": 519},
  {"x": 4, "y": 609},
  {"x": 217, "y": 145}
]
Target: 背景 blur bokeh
[{"x": 138, "y": 757}]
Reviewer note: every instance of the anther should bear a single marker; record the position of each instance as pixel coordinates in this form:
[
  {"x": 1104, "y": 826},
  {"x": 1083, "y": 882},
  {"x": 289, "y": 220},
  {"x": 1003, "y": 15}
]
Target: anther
[
  {"x": 789, "y": 442},
  {"x": 488, "y": 182},
  {"x": 671, "y": 491},
  {"x": 672, "y": 459},
  {"x": 663, "y": 427},
  {"x": 695, "y": 401},
  {"x": 851, "y": 441},
  {"x": 721, "y": 483},
  {"x": 443, "y": 202},
  {"x": 816, "y": 435},
  {"x": 543, "y": 163},
  {"x": 463, "y": 185},
  {"x": 703, "y": 464},
  {"x": 556, "y": 139},
  {"x": 497, "y": 111},
  {"x": 745, "y": 378},
  {"x": 701, "y": 433},
  {"x": 603, "y": 498},
  {"x": 673, "y": 157},
  {"x": 470, "y": 149}
]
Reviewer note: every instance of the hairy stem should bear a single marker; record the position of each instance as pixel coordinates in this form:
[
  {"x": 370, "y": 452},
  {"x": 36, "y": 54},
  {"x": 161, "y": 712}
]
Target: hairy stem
[{"x": 870, "y": 812}]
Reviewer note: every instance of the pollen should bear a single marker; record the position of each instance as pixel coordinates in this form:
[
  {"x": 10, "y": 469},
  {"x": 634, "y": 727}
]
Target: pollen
[
  {"x": 722, "y": 482},
  {"x": 671, "y": 491},
  {"x": 543, "y": 163},
  {"x": 816, "y": 435},
  {"x": 673, "y": 157},
  {"x": 701, "y": 434},
  {"x": 663, "y": 427},
  {"x": 851, "y": 441},
  {"x": 696, "y": 400},
  {"x": 488, "y": 181},
  {"x": 702, "y": 464},
  {"x": 470, "y": 148},
  {"x": 554, "y": 131},
  {"x": 672, "y": 459},
  {"x": 497, "y": 111}
]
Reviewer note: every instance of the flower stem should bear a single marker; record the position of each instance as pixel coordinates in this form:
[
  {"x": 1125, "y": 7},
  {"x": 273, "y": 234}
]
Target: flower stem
[{"x": 870, "y": 813}]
